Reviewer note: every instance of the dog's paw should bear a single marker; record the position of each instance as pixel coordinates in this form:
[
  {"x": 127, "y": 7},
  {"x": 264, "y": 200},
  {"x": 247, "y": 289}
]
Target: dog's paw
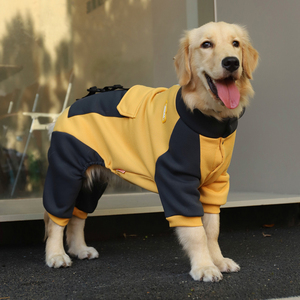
[
  {"x": 206, "y": 274},
  {"x": 84, "y": 252},
  {"x": 227, "y": 265},
  {"x": 58, "y": 261}
]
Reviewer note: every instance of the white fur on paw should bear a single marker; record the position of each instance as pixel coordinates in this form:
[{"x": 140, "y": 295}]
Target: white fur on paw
[
  {"x": 206, "y": 274},
  {"x": 227, "y": 265},
  {"x": 85, "y": 252},
  {"x": 58, "y": 261}
]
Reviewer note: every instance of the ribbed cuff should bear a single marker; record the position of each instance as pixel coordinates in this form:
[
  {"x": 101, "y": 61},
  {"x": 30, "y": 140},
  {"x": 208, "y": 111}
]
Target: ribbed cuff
[
  {"x": 182, "y": 221},
  {"x": 79, "y": 213},
  {"x": 59, "y": 221},
  {"x": 211, "y": 209}
]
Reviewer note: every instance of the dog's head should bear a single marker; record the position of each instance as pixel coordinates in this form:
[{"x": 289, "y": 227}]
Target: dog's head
[{"x": 214, "y": 64}]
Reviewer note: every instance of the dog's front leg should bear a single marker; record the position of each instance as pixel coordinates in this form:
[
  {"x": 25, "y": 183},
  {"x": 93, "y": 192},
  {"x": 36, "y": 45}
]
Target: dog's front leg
[
  {"x": 194, "y": 242},
  {"x": 56, "y": 256},
  {"x": 211, "y": 223},
  {"x": 76, "y": 241}
]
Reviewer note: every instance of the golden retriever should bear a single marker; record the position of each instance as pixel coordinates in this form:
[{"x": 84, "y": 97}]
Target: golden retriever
[{"x": 214, "y": 64}]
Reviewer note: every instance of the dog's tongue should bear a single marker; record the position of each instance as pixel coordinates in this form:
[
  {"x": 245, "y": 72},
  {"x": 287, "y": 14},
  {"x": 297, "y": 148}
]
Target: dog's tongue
[{"x": 228, "y": 92}]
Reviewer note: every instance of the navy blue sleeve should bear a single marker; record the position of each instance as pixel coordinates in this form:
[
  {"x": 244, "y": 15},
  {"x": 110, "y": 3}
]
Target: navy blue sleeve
[{"x": 178, "y": 174}]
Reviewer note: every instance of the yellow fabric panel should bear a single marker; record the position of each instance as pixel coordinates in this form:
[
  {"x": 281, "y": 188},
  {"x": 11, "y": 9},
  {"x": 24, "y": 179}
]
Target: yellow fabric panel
[
  {"x": 140, "y": 94},
  {"x": 215, "y": 193},
  {"x": 141, "y": 138},
  {"x": 214, "y": 161},
  {"x": 176, "y": 221}
]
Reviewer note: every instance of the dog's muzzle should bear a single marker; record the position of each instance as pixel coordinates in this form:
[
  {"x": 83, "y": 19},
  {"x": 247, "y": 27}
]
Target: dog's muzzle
[{"x": 225, "y": 89}]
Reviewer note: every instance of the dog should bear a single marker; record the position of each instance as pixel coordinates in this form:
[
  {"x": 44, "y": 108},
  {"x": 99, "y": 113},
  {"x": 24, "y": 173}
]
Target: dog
[{"x": 179, "y": 144}]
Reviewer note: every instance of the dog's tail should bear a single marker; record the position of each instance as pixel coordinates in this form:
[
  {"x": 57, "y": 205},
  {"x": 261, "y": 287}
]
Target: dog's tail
[{"x": 96, "y": 174}]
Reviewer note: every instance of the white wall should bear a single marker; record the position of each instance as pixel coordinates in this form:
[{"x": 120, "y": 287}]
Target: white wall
[{"x": 266, "y": 156}]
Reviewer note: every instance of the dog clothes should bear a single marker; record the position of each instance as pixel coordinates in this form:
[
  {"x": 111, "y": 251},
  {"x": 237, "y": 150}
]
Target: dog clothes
[{"x": 148, "y": 137}]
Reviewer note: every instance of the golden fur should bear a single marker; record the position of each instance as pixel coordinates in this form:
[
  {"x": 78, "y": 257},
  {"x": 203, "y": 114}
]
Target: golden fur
[{"x": 192, "y": 62}]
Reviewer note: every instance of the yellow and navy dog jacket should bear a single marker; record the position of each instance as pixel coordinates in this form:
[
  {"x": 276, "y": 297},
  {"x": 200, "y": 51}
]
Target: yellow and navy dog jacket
[{"x": 148, "y": 137}]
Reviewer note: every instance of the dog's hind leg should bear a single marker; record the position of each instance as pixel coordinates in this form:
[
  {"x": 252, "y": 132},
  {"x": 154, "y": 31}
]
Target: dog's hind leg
[
  {"x": 93, "y": 187},
  {"x": 76, "y": 241},
  {"x": 56, "y": 256},
  {"x": 211, "y": 223}
]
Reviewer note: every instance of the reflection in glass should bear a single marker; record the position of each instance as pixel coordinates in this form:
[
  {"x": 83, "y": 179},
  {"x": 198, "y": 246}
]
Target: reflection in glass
[{"x": 50, "y": 53}]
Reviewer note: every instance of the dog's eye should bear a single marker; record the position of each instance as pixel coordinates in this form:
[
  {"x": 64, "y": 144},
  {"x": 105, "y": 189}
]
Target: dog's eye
[
  {"x": 235, "y": 44},
  {"x": 206, "y": 45}
]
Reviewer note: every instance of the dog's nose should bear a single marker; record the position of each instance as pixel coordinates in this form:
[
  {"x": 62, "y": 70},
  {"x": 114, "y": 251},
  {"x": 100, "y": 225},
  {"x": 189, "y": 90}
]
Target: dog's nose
[{"x": 230, "y": 63}]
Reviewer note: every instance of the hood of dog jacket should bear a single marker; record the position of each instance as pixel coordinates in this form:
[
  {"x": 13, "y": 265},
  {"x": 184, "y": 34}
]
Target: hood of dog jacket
[{"x": 148, "y": 137}]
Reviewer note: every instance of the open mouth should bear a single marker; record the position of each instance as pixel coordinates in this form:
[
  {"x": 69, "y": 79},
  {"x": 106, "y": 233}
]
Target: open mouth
[{"x": 225, "y": 90}]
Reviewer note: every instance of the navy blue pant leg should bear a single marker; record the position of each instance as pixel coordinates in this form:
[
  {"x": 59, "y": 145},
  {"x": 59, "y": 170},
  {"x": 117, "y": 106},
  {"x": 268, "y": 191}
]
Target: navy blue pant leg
[{"x": 68, "y": 160}]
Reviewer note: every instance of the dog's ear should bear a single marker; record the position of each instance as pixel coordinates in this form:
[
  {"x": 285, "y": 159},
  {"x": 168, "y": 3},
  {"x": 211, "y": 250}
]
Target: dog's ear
[
  {"x": 182, "y": 62},
  {"x": 250, "y": 59}
]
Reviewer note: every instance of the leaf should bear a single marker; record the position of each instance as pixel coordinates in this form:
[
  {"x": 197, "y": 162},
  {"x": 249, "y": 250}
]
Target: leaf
[
  {"x": 266, "y": 234},
  {"x": 268, "y": 225}
]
